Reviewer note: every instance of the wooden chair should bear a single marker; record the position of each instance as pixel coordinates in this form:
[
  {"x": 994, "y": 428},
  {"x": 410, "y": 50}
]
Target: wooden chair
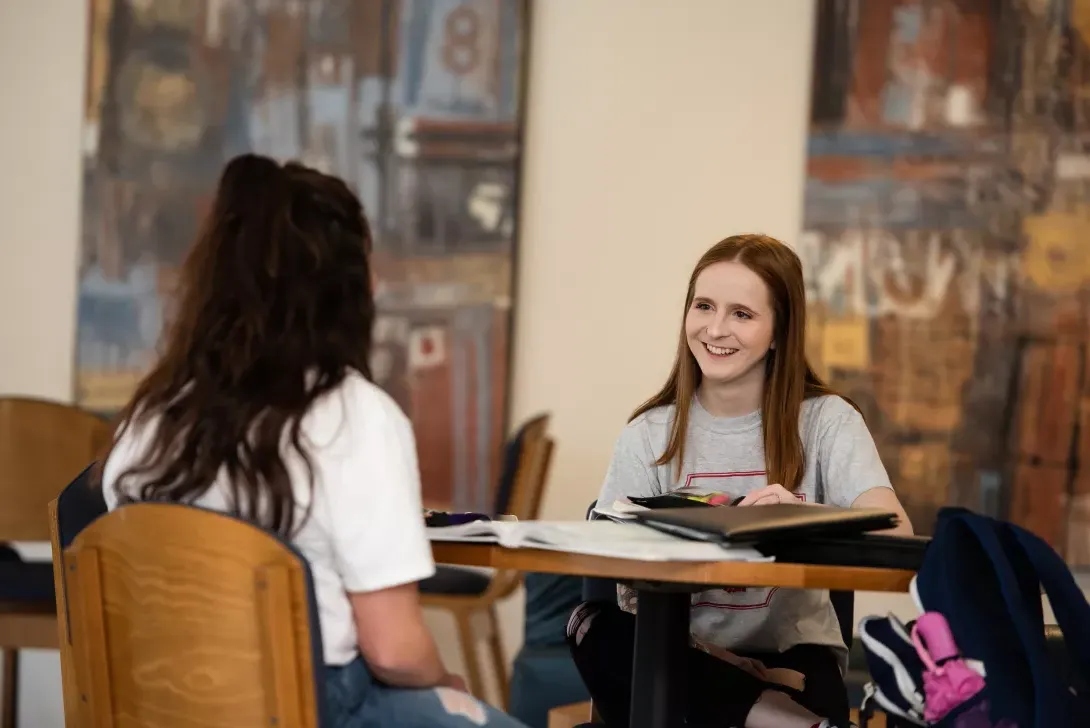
[
  {"x": 182, "y": 616},
  {"x": 466, "y": 593},
  {"x": 42, "y": 446}
]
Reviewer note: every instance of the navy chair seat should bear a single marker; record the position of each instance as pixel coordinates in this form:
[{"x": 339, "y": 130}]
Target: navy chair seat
[
  {"x": 31, "y": 581},
  {"x": 25, "y": 582},
  {"x": 455, "y": 580}
]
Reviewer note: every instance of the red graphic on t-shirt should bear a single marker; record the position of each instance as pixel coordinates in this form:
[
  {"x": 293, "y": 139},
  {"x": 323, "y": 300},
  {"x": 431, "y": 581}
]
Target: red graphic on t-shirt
[
  {"x": 735, "y": 488},
  {"x": 763, "y": 604},
  {"x": 740, "y": 474}
]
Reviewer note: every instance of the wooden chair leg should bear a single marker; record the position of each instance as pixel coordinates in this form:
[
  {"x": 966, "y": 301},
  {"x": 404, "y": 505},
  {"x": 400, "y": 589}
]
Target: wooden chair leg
[
  {"x": 9, "y": 690},
  {"x": 499, "y": 661},
  {"x": 469, "y": 653}
]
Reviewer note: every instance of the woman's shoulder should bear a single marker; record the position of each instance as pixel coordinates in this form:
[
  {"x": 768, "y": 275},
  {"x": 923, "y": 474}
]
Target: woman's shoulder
[
  {"x": 356, "y": 404},
  {"x": 654, "y": 417},
  {"x": 359, "y": 390},
  {"x": 647, "y": 430},
  {"x": 820, "y": 412},
  {"x": 828, "y": 407}
]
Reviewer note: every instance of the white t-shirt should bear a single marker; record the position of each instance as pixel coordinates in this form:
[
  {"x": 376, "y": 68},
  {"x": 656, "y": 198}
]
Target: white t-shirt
[{"x": 366, "y": 528}]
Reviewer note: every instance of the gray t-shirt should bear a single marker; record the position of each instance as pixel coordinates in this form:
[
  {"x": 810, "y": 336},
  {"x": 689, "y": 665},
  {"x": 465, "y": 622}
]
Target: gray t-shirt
[{"x": 726, "y": 454}]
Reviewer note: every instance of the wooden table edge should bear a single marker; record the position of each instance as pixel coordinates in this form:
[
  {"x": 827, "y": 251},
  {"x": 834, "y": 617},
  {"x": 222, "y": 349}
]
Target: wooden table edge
[{"x": 710, "y": 573}]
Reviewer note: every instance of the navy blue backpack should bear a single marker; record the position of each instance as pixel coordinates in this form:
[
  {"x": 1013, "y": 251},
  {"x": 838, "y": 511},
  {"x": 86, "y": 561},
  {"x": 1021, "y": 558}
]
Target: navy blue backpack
[{"x": 986, "y": 576}]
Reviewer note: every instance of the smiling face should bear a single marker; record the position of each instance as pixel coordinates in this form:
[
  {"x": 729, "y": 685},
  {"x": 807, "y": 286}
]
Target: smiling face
[{"x": 730, "y": 325}]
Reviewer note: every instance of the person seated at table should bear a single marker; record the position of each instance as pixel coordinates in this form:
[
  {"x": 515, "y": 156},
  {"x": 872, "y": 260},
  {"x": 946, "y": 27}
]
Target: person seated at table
[
  {"x": 262, "y": 406},
  {"x": 742, "y": 413}
]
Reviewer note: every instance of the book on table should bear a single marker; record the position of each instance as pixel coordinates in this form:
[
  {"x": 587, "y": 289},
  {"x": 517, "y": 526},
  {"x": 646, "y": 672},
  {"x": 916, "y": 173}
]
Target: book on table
[
  {"x": 800, "y": 534},
  {"x": 594, "y": 538}
]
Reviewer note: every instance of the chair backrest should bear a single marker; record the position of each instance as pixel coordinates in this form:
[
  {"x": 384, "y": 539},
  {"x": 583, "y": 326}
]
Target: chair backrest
[
  {"x": 43, "y": 445},
  {"x": 526, "y": 459},
  {"x": 190, "y": 617},
  {"x": 528, "y": 474}
]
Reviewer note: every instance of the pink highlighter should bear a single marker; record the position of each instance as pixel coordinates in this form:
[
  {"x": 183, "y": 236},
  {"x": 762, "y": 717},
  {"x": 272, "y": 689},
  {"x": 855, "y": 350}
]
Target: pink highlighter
[{"x": 722, "y": 499}]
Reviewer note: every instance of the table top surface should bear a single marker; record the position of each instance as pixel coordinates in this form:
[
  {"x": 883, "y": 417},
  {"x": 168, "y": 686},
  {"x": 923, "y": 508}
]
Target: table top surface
[{"x": 710, "y": 573}]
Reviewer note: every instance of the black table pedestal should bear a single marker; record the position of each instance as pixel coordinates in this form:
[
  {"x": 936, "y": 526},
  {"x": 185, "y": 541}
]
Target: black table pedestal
[{"x": 659, "y": 663}]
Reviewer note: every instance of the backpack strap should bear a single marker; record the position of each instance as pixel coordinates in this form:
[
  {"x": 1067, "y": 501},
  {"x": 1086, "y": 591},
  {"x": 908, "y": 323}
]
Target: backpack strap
[
  {"x": 1068, "y": 602},
  {"x": 960, "y": 578},
  {"x": 1050, "y": 698},
  {"x": 1022, "y": 563}
]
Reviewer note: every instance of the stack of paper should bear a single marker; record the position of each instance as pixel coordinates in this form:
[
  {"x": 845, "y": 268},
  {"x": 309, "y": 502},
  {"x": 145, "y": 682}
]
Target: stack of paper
[
  {"x": 621, "y": 510},
  {"x": 595, "y": 538}
]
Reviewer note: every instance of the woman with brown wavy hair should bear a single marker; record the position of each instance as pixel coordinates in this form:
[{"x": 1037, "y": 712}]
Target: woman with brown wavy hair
[
  {"x": 262, "y": 406},
  {"x": 742, "y": 413}
]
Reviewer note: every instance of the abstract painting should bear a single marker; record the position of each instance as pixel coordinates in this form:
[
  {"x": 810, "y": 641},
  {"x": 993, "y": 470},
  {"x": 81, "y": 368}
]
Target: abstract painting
[
  {"x": 417, "y": 104},
  {"x": 947, "y": 249}
]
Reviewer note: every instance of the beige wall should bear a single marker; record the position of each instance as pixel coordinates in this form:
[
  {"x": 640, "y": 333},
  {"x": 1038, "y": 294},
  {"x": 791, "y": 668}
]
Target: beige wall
[
  {"x": 655, "y": 129},
  {"x": 42, "y": 45},
  {"x": 41, "y": 80},
  {"x": 653, "y": 132}
]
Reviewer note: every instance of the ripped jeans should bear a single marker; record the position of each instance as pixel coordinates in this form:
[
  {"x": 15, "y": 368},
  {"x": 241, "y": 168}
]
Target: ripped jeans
[{"x": 355, "y": 700}]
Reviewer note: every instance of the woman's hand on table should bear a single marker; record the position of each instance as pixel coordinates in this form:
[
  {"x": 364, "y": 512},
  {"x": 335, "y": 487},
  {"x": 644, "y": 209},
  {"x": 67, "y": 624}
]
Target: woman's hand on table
[{"x": 769, "y": 495}]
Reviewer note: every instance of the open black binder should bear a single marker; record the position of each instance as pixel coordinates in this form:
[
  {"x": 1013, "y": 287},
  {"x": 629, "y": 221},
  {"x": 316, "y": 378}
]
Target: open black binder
[
  {"x": 801, "y": 534},
  {"x": 763, "y": 523}
]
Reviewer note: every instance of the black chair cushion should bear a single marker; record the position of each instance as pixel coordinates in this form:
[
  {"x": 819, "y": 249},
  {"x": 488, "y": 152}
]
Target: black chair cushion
[
  {"x": 456, "y": 581},
  {"x": 26, "y": 582},
  {"x": 22, "y": 581},
  {"x": 78, "y": 505}
]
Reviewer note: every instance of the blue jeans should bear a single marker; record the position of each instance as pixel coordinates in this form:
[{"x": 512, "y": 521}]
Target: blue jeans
[{"x": 355, "y": 700}]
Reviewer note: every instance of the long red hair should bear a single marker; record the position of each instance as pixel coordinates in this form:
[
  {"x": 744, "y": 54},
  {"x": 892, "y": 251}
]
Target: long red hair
[{"x": 789, "y": 378}]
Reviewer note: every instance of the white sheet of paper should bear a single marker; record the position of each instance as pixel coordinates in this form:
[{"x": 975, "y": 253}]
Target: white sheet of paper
[{"x": 596, "y": 538}]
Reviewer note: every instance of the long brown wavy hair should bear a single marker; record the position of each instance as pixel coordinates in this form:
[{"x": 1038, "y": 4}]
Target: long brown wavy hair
[
  {"x": 789, "y": 378},
  {"x": 273, "y": 308}
]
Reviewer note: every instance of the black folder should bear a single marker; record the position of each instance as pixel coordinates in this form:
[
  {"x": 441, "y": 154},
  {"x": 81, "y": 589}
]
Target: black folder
[
  {"x": 761, "y": 524},
  {"x": 861, "y": 549}
]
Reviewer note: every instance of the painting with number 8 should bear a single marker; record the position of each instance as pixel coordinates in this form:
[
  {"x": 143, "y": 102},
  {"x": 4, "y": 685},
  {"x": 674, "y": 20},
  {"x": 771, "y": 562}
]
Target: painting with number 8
[{"x": 417, "y": 104}]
